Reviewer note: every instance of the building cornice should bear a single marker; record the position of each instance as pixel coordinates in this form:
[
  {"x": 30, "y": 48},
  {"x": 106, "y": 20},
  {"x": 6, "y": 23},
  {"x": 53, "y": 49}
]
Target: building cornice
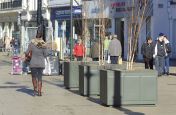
[{"x": 11, "y": 11}]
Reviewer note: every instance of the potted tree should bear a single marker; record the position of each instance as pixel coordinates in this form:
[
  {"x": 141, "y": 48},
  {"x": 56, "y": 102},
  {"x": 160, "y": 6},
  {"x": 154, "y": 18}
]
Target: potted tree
[{"x": 132, "y": 85}]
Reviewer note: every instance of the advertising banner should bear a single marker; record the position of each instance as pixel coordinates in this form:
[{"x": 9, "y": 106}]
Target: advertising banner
[
  {"x": 53, "y": 3},
  {"x": 123, "y": 8},
  {"x": 63, "y": 13}
]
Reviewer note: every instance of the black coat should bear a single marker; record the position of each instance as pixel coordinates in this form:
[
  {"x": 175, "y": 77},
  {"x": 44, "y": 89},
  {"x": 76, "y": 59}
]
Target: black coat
[
  {"x": 147, "y": 50},
  {"x": 161, "y": 49}
]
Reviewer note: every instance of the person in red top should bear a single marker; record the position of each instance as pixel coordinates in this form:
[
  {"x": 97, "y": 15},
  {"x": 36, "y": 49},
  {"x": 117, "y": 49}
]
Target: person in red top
[{"x": 79, "y": 50}]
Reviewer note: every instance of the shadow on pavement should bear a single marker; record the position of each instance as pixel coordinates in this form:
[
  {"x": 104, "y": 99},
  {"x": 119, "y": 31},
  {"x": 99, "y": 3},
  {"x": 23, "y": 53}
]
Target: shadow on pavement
[
  {"x": 129, "y": 112},
  {"x": 11, "y": 83},
  {"x": 9, "y": 87},
  {"x": 122, "y": 109},
  {"x": 75, "y": 91},
  {"x": 59, "y": 84},
  {"x": 173, "y": 74},
  {"x": 26, "y": 91},
  {"x": 95, "y": 100},
  {"x": 5, "y": 61}
]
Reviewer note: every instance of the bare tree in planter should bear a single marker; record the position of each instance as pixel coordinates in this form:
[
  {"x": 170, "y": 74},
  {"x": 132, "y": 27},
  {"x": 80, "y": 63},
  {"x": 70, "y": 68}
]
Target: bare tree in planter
[
  {"x": 100, "y": 23},
  {"x": 137, "y": 13}
]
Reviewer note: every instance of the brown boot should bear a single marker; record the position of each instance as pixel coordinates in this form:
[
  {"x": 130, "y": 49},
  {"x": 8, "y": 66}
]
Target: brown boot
[
  {"x": 39, "y": 88},
  {"x": 34, "y": 82}
]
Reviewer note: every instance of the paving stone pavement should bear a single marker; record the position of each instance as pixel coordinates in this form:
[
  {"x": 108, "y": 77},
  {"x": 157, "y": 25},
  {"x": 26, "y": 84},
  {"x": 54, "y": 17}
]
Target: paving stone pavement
[{"x": 16, "y": 97}]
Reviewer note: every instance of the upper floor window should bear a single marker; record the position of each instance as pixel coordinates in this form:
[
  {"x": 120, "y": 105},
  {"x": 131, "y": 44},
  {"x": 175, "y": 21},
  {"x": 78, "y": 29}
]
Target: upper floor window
[{"x": 10, "y": 4}]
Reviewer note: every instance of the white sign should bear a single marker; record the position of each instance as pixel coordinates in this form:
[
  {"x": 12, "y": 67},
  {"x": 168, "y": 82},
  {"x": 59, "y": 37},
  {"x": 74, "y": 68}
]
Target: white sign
[
  {"x": 53, "y": 3},
  {"x": 58, "y": 2}
]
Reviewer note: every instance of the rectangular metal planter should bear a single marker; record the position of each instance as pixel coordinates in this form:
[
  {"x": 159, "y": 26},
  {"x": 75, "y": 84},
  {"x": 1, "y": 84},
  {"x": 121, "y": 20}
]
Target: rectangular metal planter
[
  {"x": 114, "y": 66},
  {"x": 71, "y": 74},
  {"x": 89, "y": 79},
  {"x": 122, "y": 87}
]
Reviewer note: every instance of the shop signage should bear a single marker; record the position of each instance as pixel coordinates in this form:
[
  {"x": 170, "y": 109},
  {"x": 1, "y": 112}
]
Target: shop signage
[
  {"x": 120, "y": 8},
  {"x": 54, "y": 3},
  {"x": 58, "y": 2},
  {"x": 123, "y": 8},
  {"x": 63, "y": 13},
  {"x": 93, "y": 9}
]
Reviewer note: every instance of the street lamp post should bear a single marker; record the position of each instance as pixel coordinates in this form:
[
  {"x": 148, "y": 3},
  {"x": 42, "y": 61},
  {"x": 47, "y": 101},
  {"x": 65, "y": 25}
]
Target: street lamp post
[
  {"x": 40, "y": 20},
  {"x": 71, "y": 29}
]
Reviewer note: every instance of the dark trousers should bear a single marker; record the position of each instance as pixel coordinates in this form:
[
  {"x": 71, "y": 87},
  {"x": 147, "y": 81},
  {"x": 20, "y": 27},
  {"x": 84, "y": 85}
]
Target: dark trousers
[
  {"x": 95, "y": 59},
  {"x": 79, "y": 58},
  {"x": 114, "y": 59},
  {"x": 148, "y": 63}
]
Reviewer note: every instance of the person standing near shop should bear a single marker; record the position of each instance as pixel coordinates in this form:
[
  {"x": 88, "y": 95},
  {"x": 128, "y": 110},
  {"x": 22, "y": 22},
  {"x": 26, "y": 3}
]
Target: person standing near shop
[
  {"x": 15, "y": 45},
  {"x": 147, "y": 52},
  {"x": 37, "y": 63},
  {"x": 115, "y": 49},
  {"x": 7, "y": 45},
  {"x": 106, "y": 46},
  {"x": 159, "y": 54},
  {"x": 79, "y": 50},
  {"x": 166, "y": 59},
  {"x": 95, "y": 51}
]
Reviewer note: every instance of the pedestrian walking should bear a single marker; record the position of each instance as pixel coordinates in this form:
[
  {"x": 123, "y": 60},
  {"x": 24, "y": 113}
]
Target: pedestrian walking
[
  {"x": 106, "y": 46},
  {"x": 115, "y": 49},
  {"x": 166, "y": 59},
  {"x": 37, "y": 62},
  {"x": 79, "y": 50},
  {"x": 159, "y": 54},
  {"x": 147, "y": 52},
  {"x": 15, "y": 45},
  {"x": 95, "y": 51},
  {"x": 2, "y": 45},
  {"x": 7, "y": 44}
]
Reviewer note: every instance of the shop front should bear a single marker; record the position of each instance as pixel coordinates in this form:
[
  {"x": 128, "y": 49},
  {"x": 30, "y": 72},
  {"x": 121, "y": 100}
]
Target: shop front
[
  {"x": 120, "y": 13},
  {"x": 61, "y": 19}
]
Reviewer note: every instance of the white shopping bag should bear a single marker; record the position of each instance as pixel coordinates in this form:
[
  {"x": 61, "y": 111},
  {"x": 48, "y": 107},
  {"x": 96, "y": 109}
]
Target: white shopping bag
[
  {"x": 47, "y": 70},
  {"x": 120, "y": 60},
  {"x": 109, "y": 60}
]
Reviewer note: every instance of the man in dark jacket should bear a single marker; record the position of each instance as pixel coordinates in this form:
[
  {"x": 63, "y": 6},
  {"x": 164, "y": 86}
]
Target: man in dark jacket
[
  {"x": 159, "y": 54},
  {"x": 147, "y": 52},
  {"x": 168, "y": 51}
]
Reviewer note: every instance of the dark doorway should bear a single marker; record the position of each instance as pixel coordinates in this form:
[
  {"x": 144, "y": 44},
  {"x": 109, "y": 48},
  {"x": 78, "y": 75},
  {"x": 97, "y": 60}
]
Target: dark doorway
[{"x": 119, "y": 30}]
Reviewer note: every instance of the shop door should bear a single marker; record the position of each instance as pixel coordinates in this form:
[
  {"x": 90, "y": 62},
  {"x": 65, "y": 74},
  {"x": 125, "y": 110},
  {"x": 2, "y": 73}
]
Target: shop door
[{"x": 119, "y": 30}]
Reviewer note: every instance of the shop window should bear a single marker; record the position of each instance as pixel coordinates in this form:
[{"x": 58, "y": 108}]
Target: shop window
[
  {"x": 3, "y": 25},
  {"x": 160, "y": 5},
  {"x": 16, "y": 27}
]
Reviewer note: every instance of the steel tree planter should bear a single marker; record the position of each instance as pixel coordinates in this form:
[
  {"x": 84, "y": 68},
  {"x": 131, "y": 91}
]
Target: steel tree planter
[
  {"x": 89, "y": 79},
  {"x": 71, "y": 74},
  {"x": 123, "y": 87}
]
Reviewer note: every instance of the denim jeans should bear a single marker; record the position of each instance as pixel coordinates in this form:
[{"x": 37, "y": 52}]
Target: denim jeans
[
  {"x": 106, "y": 54},
  {"x": 166, "y": 64},
  {"x": 25, "y": 66},
  {"x": 159, "y": 64}
]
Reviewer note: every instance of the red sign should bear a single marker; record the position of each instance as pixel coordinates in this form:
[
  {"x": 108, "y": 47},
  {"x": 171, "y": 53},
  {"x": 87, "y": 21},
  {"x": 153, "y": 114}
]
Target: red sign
[{"x": 118, "y": 4}]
